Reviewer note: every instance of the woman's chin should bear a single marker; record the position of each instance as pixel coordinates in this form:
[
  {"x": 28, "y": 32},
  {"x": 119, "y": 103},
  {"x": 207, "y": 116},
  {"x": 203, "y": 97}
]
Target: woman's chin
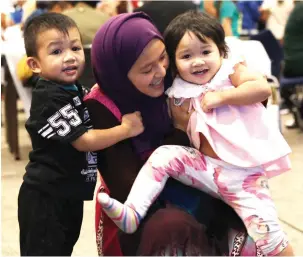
[{"x": 156, "y": 91}]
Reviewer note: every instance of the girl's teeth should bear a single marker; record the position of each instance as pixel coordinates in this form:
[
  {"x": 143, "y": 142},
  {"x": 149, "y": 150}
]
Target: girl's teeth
[{"x": 200, "y": 72}]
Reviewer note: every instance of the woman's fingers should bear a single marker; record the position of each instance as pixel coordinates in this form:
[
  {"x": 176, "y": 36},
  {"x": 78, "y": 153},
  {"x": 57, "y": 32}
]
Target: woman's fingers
[{"x": 180, "y": 113}]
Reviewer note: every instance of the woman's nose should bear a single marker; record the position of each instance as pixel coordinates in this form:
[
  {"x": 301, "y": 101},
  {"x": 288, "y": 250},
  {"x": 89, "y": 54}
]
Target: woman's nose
[{"x": 161, "y": 72}]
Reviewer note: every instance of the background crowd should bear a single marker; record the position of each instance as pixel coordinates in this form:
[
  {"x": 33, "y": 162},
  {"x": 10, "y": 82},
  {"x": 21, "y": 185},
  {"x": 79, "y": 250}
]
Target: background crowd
[{"x": 276, "y": 24}]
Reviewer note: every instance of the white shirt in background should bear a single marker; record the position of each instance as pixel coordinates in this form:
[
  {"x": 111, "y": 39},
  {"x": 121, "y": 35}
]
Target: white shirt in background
[{"x": 279, "y": 13}]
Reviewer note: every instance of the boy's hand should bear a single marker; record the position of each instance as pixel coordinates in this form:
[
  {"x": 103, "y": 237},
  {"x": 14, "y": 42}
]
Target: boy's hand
[
  {"x": 211, "y": 100},
  {"x": 132, "y": 123}
]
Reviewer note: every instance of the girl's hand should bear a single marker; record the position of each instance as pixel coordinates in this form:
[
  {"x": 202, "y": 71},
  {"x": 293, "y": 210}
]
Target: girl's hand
[
  {"x": 211, "y": 100},
  {"x": 180, "y": 114}
]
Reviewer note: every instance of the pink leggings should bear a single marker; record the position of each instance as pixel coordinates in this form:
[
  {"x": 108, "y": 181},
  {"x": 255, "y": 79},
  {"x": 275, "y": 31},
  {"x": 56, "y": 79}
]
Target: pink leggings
[{"x": 244, "y": 189}]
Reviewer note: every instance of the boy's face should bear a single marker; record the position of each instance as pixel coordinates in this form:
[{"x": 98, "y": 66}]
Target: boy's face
[
  {"x": 60, "y": 56},
  {"x": 197, "y": 62}
]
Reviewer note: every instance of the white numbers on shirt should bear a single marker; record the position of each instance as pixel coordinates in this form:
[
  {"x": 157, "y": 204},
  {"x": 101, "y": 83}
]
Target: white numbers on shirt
[
  {"x": 70, "y": 117},
  {"x": 69, "y": 113}
]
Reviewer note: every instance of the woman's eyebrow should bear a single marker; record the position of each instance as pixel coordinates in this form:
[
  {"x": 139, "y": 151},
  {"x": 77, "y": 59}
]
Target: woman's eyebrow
[{"x": 150, "y": 63}]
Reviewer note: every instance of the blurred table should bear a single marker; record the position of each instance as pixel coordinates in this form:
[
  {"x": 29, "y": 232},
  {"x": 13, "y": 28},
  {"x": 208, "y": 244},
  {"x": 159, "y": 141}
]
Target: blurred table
[{"x": 13, "y": 50}]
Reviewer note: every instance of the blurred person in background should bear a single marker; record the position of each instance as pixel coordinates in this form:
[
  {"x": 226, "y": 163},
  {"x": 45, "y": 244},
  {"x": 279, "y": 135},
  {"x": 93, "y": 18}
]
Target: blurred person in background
[
  {"x": 209, "y": 7},
  {"x": 293, "y": 46},
  {"x": 293, "y": 56},
  {"x": 250, "y": 16},
  {"x": 87, "y": 18},
  {"x": 109, "y": 7},
  {"x": 59, "y": 6},
  {"x": 28, "y": 7},
  {"x": 275, "y": 14},
  {"x": 229, "y": 17},
  {"x": 41, "y": 7},
  {"x": 163, "y": 12},
  {"x": 3, "y": 25},
  {"x": 16, "y": 15},
  {"x": 226, "y": 11}
]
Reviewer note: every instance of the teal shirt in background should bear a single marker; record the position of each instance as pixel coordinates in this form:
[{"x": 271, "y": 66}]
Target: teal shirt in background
[{"x": 229, "y": 10}]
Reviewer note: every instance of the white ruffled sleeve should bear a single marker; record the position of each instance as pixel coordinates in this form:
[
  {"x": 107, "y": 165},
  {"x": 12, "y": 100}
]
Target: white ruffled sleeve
[{"x": 183, "y": 89}]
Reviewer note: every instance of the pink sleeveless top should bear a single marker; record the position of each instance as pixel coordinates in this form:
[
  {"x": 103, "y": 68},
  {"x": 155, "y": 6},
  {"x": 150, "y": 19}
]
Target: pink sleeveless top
[{"x": 239, "y": 135}]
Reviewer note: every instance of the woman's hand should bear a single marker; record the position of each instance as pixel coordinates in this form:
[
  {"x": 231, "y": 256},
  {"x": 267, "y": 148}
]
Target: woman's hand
[{"x": 180, "y": 114}]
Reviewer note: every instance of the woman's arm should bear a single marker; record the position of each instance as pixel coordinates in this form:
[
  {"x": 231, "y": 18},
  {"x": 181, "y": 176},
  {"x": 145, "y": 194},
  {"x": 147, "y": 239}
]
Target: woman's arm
[
  {"x": 180, "y": 117},
  {"x": 118, "y": 164}
]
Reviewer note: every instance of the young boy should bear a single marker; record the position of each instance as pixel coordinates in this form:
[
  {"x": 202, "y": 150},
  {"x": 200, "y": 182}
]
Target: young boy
[{"x": 62, "y": 170}]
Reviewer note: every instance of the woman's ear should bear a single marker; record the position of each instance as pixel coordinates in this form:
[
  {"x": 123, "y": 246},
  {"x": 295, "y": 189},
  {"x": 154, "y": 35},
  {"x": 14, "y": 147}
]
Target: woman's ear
[{"x": 33, "y": 64}]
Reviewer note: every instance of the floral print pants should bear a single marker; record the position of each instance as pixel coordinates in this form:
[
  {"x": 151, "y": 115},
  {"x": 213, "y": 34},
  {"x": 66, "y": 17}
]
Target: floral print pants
[{"x": 244, "y": 189}]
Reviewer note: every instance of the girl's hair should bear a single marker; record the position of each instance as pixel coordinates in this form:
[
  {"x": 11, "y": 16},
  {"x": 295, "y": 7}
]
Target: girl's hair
[{"x": 202, "y": 25}]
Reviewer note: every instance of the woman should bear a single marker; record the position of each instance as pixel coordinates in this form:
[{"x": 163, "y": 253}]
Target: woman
[{"x": 129, "y": 62}]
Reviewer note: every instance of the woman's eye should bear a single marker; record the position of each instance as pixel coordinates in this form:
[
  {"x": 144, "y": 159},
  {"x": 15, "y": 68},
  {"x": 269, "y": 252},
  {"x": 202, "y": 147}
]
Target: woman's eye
[
  {"x": 187, "y": 56},
  {"x": 146, "y": 72},
  {"x": 55, "y": 52},
  {"x": 162, "y": 57}
]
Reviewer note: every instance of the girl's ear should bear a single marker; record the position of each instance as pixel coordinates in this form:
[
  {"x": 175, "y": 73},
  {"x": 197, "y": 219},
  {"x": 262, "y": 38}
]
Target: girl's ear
[{"x": 33, "y": 64}]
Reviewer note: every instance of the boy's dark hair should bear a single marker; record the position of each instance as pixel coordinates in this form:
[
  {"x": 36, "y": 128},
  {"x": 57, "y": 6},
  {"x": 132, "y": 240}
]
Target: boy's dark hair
[
  {"x": 201, "y": 24},
  {"x": 41, "y": 23}
]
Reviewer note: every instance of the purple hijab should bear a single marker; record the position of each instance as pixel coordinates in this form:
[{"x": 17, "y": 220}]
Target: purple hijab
[{"x": 115, "y": 48}]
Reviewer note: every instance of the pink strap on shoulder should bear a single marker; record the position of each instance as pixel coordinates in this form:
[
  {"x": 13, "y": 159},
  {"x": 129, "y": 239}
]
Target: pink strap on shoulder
[{"x": 98, "y": 95}]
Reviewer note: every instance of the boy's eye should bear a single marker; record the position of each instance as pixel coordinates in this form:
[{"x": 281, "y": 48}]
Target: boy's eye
[
  {"x": 57, "y": 51},
  {"x": 206, "y": 52},
  {"x": 76, "y": 48},
  {"x": 187, "y": 56}
]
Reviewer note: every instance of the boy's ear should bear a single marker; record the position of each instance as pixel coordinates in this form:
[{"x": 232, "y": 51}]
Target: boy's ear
[{"x": 33, "y": 64}]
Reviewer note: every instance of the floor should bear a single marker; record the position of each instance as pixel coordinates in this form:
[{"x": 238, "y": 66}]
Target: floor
[{"x": 287, "y": 191}]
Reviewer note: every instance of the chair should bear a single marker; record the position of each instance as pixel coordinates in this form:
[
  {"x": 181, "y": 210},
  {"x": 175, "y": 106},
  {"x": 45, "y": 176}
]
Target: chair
[
  {"x": 273, "y": 49},
  {"x": 275, "y": 52}
]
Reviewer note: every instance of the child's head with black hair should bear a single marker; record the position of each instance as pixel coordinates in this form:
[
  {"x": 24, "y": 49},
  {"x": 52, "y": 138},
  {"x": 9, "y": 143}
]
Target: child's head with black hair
[
  {"x": 195, "y": 43},
  {"x": 54, "y": 47}
]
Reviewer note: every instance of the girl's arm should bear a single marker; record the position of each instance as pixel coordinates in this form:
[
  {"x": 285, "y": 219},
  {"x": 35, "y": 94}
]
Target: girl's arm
[{"x": 250, "y": 88}]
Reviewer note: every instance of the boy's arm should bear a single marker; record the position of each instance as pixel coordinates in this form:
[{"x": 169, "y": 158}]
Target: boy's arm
[
  {"x": 69, "y": 123},
  {"x": 250, "y": 88},
  {"x": 98, "y": 139}
]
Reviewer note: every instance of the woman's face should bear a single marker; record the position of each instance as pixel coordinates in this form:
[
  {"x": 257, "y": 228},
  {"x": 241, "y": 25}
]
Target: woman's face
[{"x": 148, "y": 72}]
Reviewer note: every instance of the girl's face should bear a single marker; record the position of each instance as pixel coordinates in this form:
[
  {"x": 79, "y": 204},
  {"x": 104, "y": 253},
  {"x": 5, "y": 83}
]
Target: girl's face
[
  {"x": 197, "y": 62},
  {"x": 148, "y": 72}
]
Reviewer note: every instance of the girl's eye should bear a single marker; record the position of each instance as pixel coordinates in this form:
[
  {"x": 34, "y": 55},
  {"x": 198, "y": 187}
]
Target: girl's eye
[
  {"x": 76, "y": 48},
  {"x": 187, "y": 56},
  {"x": 57, "y": 51},
  {"x": 206, "y": 52}
]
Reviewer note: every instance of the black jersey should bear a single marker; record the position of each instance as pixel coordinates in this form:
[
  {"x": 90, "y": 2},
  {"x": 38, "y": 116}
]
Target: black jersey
[{"x": 57, "y": 118}]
